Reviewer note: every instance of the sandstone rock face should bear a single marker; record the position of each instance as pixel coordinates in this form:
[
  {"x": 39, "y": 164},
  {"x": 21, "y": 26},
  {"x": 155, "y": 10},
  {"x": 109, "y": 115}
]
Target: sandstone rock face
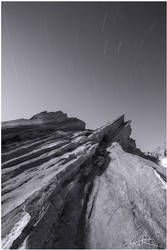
[
  {"x": 77, "y": 188},
  {"x": 126, "y": 208},
  {"x": 42, "y": 123}
]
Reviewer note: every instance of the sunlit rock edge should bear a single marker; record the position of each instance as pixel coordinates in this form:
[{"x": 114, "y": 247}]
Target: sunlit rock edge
[{"x": 64, "y": 186}]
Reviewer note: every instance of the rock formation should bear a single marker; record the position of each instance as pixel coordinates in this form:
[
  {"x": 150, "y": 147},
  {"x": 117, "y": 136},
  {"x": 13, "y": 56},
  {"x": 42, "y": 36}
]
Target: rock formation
[{"x": 64, "y": 186}]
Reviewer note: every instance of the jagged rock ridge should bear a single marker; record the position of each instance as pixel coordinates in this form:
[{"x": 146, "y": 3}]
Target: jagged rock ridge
[{"x": 64, "y": 186}]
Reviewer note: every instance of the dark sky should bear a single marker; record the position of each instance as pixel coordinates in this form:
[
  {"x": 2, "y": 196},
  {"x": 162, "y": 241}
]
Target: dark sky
[{"x": 91, "y": 60}]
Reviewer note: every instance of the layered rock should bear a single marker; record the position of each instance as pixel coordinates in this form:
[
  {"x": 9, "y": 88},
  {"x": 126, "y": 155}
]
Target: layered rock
[
  {"x": 70, "y": 187},
  {"x": 39, "y": 125}
]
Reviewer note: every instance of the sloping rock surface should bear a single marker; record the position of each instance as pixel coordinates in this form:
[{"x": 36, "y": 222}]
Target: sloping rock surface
[
  {"x": 64, "y": 186},
  {"x": 39, "y": 125},
  {"x": 126, "y": 207}
]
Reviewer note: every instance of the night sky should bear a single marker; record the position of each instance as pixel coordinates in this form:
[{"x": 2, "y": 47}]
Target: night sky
[{"x": 92, "y": 60}]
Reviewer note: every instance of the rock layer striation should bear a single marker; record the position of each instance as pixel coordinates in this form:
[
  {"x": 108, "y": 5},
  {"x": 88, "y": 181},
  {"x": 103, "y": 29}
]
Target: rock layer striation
[{"x": 64, "y": 186}]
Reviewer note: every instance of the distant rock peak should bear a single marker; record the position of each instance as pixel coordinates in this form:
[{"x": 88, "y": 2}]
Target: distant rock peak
[
  {"x": 58, "y": 120},
  {"x": 59, "y": 115}
]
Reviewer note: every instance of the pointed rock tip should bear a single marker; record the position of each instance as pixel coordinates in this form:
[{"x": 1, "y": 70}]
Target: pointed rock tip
[{"x": 121, "y": 117}]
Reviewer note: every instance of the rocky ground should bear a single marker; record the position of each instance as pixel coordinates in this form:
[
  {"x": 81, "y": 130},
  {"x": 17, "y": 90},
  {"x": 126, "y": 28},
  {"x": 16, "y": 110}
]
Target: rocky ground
[{"x": 64, "y": 186}]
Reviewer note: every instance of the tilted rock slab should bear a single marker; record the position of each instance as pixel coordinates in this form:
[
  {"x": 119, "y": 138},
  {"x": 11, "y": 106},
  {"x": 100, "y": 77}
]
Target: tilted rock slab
[
  {"x": 126, "y": 208},
  {"x": 64, "y": 186}
]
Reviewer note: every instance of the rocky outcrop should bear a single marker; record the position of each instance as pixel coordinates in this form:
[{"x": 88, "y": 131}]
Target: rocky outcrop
[
  {"x": 40, "y": 124},
  {"x": 126, "y": 207},
  {"x": 78, "y": 188},
  {"x": 59, "y": 116}
]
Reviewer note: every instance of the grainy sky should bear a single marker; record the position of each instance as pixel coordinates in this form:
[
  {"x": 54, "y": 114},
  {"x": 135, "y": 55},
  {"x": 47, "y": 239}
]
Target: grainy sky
[{"x": 91, "y": 60}]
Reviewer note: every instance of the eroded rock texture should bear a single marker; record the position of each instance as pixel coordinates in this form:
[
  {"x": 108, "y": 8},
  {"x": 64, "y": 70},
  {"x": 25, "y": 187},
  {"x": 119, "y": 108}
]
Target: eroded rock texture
[{"x": 64, "y": 186}]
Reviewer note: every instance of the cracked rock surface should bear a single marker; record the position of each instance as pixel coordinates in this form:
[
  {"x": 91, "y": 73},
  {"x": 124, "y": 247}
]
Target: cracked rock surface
[{"x": 64, "y": 186}]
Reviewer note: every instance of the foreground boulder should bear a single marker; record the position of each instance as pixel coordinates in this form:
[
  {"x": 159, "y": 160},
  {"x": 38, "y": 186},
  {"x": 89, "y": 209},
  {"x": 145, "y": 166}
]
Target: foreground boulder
[{"x": 64, "y": 186}]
